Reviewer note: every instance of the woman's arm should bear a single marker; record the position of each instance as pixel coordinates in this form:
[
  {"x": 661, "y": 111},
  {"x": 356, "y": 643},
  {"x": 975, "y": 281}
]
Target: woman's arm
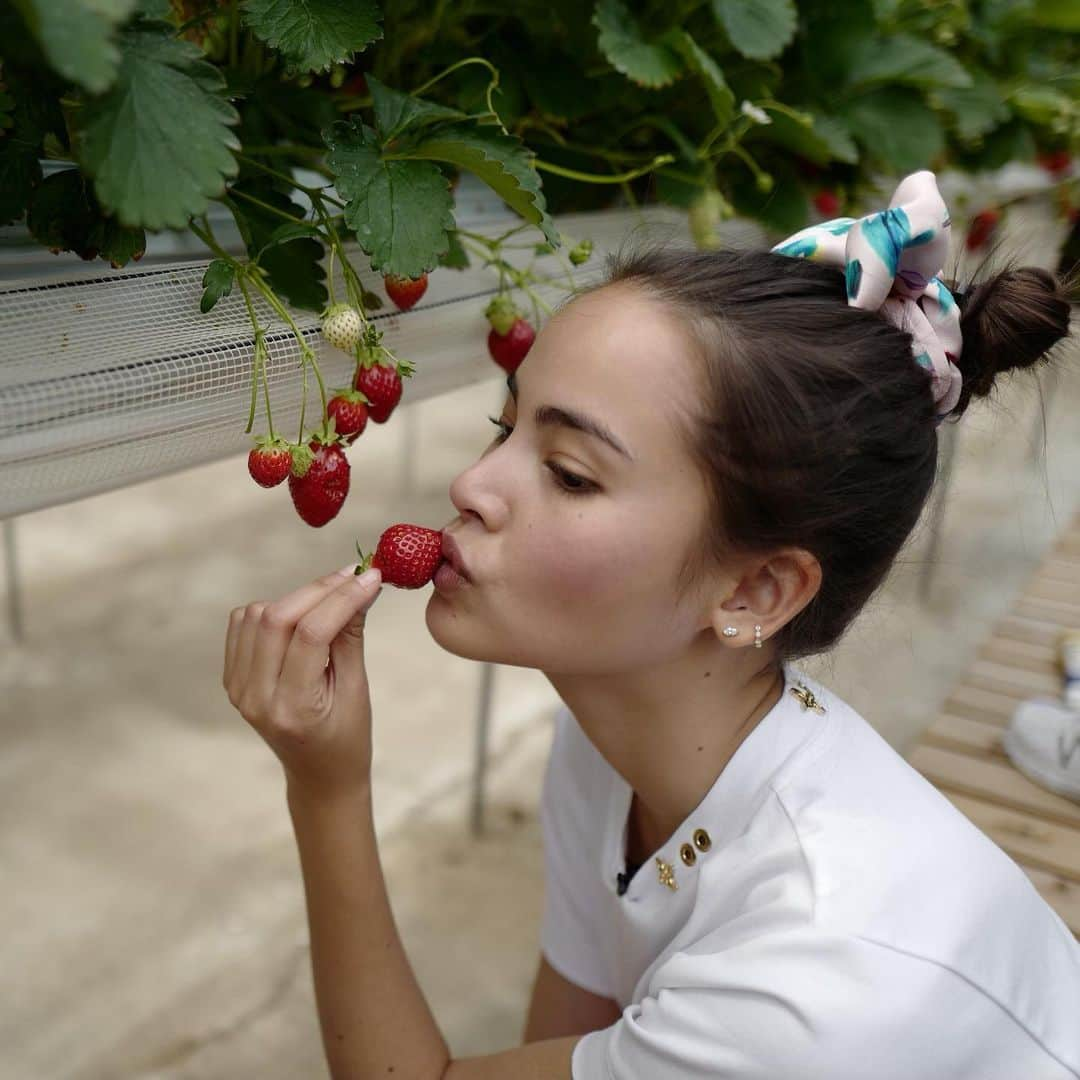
[
  {"x": 374, "y": 1018},
  {"x": 372, "y": 1012}
]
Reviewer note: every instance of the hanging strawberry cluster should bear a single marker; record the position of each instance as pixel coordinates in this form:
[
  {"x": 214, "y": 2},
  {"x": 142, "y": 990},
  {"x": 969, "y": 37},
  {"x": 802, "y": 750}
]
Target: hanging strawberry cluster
[{"x": 384, "y": 174}]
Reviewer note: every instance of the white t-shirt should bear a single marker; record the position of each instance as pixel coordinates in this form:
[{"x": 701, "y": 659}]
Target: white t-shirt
[{"x": 835, "y": 918}]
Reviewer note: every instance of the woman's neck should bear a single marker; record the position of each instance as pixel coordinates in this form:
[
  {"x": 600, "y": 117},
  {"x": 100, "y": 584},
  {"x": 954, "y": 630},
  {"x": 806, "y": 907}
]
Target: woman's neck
[{"x": 670, "y": 733}]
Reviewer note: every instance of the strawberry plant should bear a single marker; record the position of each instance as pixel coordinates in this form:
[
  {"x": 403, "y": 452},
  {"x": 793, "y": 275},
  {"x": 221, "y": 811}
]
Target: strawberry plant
[{"x": 775, "y": 110}]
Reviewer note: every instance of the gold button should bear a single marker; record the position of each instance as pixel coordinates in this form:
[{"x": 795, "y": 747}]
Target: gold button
[
  {"x": 689, "y": 856},
  {"x": 701, "y": 840}
]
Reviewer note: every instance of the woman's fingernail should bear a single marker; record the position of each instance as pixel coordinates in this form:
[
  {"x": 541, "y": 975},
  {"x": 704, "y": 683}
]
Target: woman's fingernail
[
  {"x": 369, "y": 577},
  {"x": 347, "y": 571}
]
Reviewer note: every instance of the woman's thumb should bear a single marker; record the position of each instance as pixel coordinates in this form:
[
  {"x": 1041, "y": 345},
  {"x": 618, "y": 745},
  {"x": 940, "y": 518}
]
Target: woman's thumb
[{"x": 347, "y": 649}]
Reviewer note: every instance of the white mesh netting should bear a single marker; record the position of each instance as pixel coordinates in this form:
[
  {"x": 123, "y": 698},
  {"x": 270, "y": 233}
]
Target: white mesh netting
[{"x": 112, "y": 379}]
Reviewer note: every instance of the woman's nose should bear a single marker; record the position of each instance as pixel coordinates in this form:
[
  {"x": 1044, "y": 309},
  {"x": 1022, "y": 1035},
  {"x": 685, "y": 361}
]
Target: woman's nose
[{"x": 475, "y": 492}]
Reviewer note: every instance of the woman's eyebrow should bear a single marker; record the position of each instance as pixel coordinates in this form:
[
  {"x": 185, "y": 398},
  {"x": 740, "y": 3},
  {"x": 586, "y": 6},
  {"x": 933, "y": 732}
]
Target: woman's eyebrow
[{"x": 556, "y": 416}]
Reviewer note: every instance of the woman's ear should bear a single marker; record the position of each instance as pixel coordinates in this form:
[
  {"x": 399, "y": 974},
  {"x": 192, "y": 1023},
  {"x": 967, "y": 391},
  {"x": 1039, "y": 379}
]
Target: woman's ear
[{"x": 770, "y": 593}]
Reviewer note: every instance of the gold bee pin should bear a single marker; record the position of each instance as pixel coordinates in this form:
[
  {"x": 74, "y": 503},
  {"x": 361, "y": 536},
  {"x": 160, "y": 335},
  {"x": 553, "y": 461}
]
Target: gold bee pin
[
  {"x": 806, "y": 698},
  {"x": 667, "y": 874}
]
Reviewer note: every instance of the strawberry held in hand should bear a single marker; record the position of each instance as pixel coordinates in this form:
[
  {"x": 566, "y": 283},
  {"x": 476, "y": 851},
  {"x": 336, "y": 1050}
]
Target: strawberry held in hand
[
  {"x": 407, "y": 555},
  {"x": 319, "y": 480}
]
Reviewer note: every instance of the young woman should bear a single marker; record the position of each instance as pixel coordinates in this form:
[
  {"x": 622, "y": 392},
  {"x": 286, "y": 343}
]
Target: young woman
[{"x": 705, "y": 468}]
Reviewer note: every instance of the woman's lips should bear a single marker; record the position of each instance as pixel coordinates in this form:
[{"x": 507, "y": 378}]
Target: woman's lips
[{"x": 452, "y": 554}]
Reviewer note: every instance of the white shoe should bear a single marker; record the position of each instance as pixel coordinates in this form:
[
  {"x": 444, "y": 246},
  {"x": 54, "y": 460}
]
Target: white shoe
[{"x": 1043, "y": 742}]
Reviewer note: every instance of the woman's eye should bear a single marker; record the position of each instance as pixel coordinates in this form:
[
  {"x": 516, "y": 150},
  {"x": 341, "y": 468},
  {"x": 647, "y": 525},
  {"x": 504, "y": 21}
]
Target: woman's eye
[{"x": 566, "y": 482}]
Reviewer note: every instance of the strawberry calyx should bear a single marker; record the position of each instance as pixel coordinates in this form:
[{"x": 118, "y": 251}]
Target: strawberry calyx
[
  {"x": 502, "y": 313},
  {"x": 302, "y": 459},
  {"x": 365, "y": 560},
  {"x": 351, "y": 395}
]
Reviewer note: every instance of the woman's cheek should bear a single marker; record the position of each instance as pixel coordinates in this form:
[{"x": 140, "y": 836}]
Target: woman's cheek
[{"x": 591, "y": 567}]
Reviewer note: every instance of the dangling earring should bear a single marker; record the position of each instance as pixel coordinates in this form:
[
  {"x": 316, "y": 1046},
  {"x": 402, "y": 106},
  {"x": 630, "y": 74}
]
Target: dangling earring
[
  {"x": 730, "y": 631},
  {"x": 757, "y": 637}
]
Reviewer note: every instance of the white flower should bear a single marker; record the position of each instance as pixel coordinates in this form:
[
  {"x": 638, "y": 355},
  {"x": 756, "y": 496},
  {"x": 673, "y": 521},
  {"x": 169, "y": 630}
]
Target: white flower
[{"x": 758, "y": 114}]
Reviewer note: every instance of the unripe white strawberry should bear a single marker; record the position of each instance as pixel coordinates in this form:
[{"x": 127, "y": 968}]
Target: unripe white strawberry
[{"x": 342, "y": 326}]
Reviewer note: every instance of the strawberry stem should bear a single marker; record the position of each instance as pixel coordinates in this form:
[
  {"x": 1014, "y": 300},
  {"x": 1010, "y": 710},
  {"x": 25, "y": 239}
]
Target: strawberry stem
[{"x": 307, "y": 356}]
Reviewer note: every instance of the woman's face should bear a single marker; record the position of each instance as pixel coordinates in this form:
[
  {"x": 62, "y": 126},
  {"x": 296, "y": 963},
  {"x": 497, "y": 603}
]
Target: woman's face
[{"x": 582, "y": 582}]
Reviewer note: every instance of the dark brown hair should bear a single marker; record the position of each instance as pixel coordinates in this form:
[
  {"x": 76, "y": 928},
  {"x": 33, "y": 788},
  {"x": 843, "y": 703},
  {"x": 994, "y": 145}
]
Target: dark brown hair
[{"x": 814, "y": 425}]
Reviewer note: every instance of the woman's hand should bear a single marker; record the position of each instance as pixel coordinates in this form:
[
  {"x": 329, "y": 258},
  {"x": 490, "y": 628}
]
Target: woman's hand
[{"x": 294, "y": 668}]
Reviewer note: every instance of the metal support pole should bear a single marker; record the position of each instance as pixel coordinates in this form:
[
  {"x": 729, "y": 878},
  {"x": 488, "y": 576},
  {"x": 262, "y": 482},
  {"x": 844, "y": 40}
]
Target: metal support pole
[
  {"x": 483, "y": 715},
  {"x": 12, "y": 572}
]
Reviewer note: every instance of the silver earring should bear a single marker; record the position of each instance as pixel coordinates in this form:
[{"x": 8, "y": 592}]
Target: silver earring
[
  {"x": 730, "y": 631},
  {"x": 757, "y": 637}
]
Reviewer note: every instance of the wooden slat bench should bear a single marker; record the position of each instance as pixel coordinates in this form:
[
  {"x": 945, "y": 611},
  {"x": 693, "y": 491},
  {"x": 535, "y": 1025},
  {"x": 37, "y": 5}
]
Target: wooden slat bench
[{"x": 961, "y": 752}]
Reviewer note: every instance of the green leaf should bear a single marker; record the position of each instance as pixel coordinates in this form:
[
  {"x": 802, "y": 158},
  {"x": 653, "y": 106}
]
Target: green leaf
[
  {"x": 825, "y": 139},
  {"x": 1056, "y": 14},
  {"x": 20, "y": 146},
  {"x": 720, "y": 95},
  {"x": 1041, "y": 105},
  {"x": 294, "y": 266},
  {"x": 154, "y": 9},
  {"x": 64, "y": 216},
  {"x": 313, "y": 35},
  {"x": 396, "y": 113},
  {"x": 158, "y": 142},
  {"x": 116, "y": 243},
  {"x": 285, "y": 233},
  {"x": 400, "y": 210},
  {"x": 218, "y": 282},
  {"x": 975, "y": 109},
  {"x": 895, "y": 127},
  {"x": 904, "y": 58},
  {"x": 77, "y": 37},
  {"x": 830, "y": 37},
  {"x": 759, "y": 29},
  {"x": 501, "y": 160},
  {"x": 622, "y": 43},
  {"x": 456, "y": 257}
]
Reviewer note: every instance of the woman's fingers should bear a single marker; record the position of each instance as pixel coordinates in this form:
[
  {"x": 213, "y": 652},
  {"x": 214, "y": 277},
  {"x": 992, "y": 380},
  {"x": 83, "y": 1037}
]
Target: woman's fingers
[
  {"x": 259, "y": 635},
  {"x": 308, "y": 651}
]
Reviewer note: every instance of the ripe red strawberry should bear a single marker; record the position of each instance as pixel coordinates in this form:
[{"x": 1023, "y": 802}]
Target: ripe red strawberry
[
  {"x": 405, "y": 291},
  {"x": 381, "y": 385},
  {"x": 827, "y": 202},
  {"x": 349, "y": 410},
  {"x": 1055, "y": 162},
  {"x": 318, "y": 491},
  {"x": 269, "y": 461},
  {"x": 407, "y": 555},
  {"x": 508, "y": 350},
  {"x": 983, "y": 225}
]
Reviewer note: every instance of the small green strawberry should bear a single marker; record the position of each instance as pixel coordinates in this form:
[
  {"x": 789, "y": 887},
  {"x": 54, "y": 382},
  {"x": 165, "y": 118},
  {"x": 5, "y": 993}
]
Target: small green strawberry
[
  {"x": 270, "y": 461},
  {"x": 581, "y": 252},
  {"x": 342, "y": 326},
  {"x": 407, "y": 555}
]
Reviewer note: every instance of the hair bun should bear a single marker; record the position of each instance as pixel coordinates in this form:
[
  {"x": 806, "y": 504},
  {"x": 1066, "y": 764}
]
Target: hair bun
[{"x": 1009, "y": 321}]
